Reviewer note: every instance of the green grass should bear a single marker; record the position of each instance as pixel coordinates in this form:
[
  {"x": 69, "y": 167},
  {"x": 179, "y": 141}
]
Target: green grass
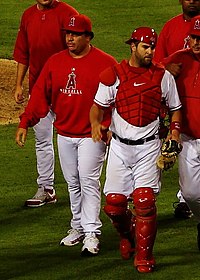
[
  {"x": 29, "y": 238},
  {"x": 113, "y": 21}
]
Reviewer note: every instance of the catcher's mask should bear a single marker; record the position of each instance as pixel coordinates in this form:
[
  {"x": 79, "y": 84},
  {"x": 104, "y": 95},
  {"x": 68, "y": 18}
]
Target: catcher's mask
[{"x": 144, "y": 34}]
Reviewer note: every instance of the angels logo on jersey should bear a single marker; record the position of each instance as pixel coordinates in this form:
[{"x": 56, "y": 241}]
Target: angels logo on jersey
[
  {"x": 71, "y": 85},
  {"x": 186, "y": 42}
]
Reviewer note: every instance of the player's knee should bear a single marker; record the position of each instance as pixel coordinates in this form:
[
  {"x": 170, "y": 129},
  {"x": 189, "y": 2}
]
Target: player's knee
[
  {"x": 116, "y": 204},
  {"x": 144, "y": 201}
]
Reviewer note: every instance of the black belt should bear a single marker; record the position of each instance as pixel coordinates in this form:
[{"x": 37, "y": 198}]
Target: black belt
[{"x": 133, "y": 142}]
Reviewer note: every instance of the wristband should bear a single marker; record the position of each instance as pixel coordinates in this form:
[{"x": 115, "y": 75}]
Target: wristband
[{"x": 175, "y": 125}]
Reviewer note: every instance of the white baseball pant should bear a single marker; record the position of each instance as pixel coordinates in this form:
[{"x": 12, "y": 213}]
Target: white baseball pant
[
  {"x": 81, "y": 161},
  {"x": 130, "y": 167},
  {"x": 189, "y": 173},
  {"x": 44, "y": 150}
]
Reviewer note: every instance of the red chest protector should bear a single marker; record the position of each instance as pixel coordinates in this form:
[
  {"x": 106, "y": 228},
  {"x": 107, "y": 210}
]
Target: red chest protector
[{"x": 138, "y": 99}]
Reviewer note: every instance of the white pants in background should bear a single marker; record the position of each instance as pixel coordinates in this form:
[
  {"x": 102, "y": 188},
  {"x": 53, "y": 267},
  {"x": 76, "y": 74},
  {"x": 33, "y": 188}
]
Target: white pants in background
[
  {"x": 189, "y": 173},
  {"x": 44, "y": 150}
]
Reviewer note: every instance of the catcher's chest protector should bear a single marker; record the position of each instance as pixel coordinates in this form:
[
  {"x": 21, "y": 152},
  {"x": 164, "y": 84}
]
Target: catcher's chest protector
[{"x": 138, "y": 99}]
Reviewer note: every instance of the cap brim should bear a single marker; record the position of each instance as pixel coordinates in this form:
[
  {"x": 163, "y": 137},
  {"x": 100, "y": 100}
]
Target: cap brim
[
  {"x": 197, "y": 33},
  {"x": 129, "y": 41},
  {"x": 90, "y": 33}
]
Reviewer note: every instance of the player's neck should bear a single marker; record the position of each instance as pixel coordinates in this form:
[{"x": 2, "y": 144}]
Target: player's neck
[
  {"x": 81, "y": 54},
  {"x": 44, "y": 7}
]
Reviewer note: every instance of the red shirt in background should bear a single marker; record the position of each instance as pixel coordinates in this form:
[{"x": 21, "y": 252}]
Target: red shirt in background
[
  {"x": 188, "y": 85},
  {"x": 173, "y": 37},
  {"x": 40, "y": 36}
]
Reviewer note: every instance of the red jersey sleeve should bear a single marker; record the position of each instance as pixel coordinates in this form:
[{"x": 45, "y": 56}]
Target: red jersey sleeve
[
  {"x": 21, "y": 50},
  {"x": 40, "y": 100}
]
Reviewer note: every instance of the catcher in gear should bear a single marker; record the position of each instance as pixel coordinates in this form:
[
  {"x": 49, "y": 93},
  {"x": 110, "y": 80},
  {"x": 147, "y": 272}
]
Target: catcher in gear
[{"x": 134, "y": 88}]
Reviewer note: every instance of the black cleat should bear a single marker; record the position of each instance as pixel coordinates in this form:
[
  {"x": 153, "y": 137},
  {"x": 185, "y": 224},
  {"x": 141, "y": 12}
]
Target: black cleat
[{"x": 182, "y": 211}]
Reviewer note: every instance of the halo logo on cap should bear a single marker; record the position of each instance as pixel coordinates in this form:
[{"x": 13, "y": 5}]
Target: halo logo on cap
[
  {"x": 197, "y": 24},
  {"x": 72, "y": 21}
]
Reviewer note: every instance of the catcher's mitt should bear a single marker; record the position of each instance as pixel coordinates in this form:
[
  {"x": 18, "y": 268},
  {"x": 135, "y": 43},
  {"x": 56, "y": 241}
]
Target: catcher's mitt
[{"x": 169, "y": 154}]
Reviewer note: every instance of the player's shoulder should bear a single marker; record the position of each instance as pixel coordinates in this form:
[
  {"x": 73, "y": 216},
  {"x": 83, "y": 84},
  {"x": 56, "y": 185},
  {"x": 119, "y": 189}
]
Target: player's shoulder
[
  {"x": 181, "y": 54},
  {"x": 99, "y": 55},
  {"x": 100, "y": 51},
  {"x": 108, "y": 76},
  {"x": 66, "y": 7},
  {"x": 58, "y": 57},
  {"x": 30, "y": 10},
  {"x": 174, "y": 21}
]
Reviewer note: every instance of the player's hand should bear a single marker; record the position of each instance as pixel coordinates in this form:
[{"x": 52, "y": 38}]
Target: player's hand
[
  {"x": 19, "y": 96},
  {"x": 20, "y": 137},
  {"x": 174, "y": 68},
  {"x": 97, "y": 131},
  {"x": 174, "y": 135}
]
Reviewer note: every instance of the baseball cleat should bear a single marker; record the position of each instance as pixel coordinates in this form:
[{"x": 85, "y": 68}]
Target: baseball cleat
[
  {"x": 91, "y": 245},
  {"x": 74, "y": 237},
  {"x": 182, "y": 211},
  {"x": 43, "y": 196}
]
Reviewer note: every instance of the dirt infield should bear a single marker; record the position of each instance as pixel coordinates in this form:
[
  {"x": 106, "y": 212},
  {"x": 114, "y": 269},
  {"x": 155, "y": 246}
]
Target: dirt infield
[{"x": 9, "y": 109}]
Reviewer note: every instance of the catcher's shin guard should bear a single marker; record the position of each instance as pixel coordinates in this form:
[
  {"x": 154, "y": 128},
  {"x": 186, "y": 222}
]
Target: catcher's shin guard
[
  {"x": 146, "y": 228},
  {"x": 123, "y": 221}
]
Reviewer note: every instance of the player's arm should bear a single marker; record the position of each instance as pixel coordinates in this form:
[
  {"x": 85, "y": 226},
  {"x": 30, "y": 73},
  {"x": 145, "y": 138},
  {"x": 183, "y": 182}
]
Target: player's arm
[
  {"x": 96, "y": 117},
  {"x": 175, "y": 126},
  {"x": 37, "y": 107},
  {"x": 172, "y": 64},
  {"x": 174, "y": 68},
  {"x": 171, "y": 96},
  {"x": 21, "y": 72}
]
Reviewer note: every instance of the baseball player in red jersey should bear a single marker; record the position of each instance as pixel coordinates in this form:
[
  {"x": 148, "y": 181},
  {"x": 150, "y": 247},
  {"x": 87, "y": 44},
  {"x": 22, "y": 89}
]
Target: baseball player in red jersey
[
  {"x": 173, "y": 37},
  {"x": 68, "y": 83},
  {"x": 188, "y": 85},
  {"x": 135, "y": 88},
  {"x": 39, "y": 37}
]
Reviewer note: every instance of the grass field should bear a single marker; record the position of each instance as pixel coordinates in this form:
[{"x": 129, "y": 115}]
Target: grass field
[{"x": 29, "y": 238}]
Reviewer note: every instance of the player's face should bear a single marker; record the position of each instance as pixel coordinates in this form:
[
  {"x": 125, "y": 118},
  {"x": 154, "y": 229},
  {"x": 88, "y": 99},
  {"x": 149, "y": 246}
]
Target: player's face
[
  {"x": 143, "y": 54},
  {"x": 195, "y": 44},
  {"x": 190, "y": 8},
  {"x": 44, "y": 3},
  {"x": 78, "y": 44}
]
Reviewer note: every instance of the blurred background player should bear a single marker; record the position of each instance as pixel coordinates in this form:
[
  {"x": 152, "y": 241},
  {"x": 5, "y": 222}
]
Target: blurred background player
[
  {"x": 68, "y": 82},
  {"x": 188, "y": 85},
  {"x": 135, "y": 88},
  {"x": 173, "y": 37},
  {"x": 39, "y": 37}
]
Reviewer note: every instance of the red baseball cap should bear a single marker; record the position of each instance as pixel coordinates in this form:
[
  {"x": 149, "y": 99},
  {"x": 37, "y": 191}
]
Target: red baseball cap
[
  {"x": 195, "y": 26},
  {"x": 79, "y": 23},
  {"x": 144, "y": 34}
]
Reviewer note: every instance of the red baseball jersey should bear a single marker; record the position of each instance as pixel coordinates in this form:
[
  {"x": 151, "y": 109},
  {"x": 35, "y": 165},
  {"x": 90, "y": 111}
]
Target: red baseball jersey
[
  {"x": 188, "y": 85},
  {"x": 173, "y": 37},
  {"x": 68, "y": 85},
  {"x": 40, "y": 36}
]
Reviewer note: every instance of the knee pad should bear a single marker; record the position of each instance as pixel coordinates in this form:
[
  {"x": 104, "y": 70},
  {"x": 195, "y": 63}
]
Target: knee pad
[
  {"x": 116, "y": 204},
  {"x": 144, "y": 201}
]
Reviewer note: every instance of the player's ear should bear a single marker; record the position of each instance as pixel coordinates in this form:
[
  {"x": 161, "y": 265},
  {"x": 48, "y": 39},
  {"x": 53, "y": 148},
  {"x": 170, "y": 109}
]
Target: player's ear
[{"x": 133, "y": 47}]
